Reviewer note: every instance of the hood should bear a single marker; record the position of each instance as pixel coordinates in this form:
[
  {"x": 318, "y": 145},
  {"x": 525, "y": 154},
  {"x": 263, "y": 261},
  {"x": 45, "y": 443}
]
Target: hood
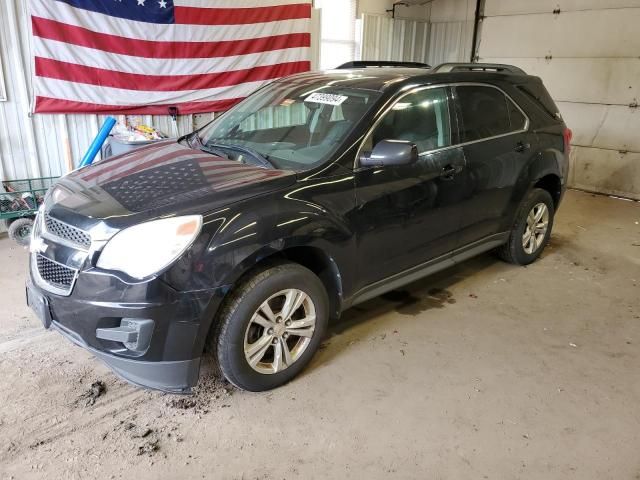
[{"x": 167, "y": 178}]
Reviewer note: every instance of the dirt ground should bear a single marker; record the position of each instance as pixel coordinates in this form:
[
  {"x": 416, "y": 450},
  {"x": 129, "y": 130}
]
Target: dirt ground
[{"x": 486, "y": 371}]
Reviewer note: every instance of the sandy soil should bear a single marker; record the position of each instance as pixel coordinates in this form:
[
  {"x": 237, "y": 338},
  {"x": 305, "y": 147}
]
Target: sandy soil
[{"x": 484, "y": 371}]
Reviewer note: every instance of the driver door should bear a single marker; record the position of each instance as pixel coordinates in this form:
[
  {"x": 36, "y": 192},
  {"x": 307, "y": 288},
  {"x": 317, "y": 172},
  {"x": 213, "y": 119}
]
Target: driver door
[{"x": 409, "y": 214}]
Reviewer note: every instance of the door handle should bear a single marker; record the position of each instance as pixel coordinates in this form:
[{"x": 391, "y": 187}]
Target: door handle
[
  {"x": 521, "y": 147},
  {"x": 449, "y": 171}
]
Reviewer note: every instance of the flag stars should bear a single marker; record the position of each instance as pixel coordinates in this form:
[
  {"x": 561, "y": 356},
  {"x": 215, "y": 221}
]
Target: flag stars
[
  {"x": 141, "y": 3},
  {"x": 162, "y": 3}
]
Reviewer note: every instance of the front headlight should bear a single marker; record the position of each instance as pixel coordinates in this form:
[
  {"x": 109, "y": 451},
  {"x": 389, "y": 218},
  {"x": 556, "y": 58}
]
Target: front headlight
[{"x": 145, "y": 249}]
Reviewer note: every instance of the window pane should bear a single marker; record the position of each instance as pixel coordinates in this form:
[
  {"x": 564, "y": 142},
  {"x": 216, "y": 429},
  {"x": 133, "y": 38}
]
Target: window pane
[
  {"x": 338, "y": 36},
  {"x": 516, "y": 117},
  {"x": 484, "y": 112},
  {"x": 421, "y": 118}
]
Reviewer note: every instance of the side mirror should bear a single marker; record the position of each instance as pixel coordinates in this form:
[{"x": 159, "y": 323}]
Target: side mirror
[{"x": 391, "y": 152}]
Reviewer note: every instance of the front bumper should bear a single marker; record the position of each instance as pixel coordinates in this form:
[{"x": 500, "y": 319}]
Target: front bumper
[
  {"x": 181, "y": 322},
  {"x": 169, "y": 376}
]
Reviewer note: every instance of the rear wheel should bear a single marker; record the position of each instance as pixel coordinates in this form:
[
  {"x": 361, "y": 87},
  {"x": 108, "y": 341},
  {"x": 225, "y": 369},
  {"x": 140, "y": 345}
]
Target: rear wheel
[
  {"x": 270, "y": 327},
  {"x": 531, "y": 230},
  {"x": 20, "y": 231}
]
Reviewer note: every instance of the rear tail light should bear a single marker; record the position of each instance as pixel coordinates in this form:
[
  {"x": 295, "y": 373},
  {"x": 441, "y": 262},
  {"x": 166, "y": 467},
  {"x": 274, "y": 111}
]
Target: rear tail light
[{"x": 567, "y": 134}]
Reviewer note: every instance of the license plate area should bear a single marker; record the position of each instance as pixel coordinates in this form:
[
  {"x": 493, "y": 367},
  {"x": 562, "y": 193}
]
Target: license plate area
[{"x": 40, "y": 305}]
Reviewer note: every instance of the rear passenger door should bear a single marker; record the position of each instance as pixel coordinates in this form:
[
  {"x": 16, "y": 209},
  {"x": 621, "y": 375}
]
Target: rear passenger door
[{"x": 493, "y": 132}]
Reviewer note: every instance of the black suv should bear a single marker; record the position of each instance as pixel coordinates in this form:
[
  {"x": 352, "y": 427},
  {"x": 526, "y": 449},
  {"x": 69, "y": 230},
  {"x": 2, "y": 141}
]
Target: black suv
[{"x": 317, "y": 192}]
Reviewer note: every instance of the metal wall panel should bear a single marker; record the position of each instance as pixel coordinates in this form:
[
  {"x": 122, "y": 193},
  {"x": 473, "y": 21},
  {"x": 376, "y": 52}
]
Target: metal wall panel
[
  {"x": 515, "y": 7},
  {"x": 612, "y": 171},
  {"x": 451, "y": 30},
  {"x": 608, "y": 33},
  {"x": 450, "y": 42},
  {"x": 587, "y": 55},
  {"x": 602, "y": 80},
  {"x": 612, "y": 127},
  {"x": 384, "y": 38}
]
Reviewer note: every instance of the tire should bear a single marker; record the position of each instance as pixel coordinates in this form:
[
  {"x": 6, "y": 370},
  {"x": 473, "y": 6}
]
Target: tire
[
  {"x": 20, "y": 231},
  {"x": 518, "y": 252},
  {"x": 240, "y": 334}
]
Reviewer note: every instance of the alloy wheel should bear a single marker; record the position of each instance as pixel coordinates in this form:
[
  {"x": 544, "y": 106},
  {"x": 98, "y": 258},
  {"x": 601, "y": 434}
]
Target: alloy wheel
[
  {"x": 280, "y": 331},
  {"x": 536, "y": 228}
]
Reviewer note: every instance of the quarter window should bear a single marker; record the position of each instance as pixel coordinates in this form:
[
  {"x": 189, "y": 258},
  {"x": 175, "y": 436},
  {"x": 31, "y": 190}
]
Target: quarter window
[
  {"x": 486, "y": 112},
  {"x": 517, "y": 119},
  {"x": 421, "y": 118}
]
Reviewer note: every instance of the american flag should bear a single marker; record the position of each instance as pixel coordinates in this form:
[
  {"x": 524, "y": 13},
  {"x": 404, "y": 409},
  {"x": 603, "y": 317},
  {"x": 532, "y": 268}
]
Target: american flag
[{"x": 143, "y": 56}]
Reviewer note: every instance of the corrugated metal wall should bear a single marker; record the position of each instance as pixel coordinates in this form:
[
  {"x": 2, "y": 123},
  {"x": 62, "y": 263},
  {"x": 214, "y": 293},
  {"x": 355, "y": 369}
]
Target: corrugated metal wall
[
  {"x": 587, "y": 55},
  {"x": 433, "y": 42},
  {"x": 384, "y": 38},
  {"x": 449, "y": 42},
  {"x": 451, "y": 30}
]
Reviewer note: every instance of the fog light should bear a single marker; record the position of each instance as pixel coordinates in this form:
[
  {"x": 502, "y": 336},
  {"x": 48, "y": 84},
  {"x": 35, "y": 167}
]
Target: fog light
[{"x": 134, "y": 333}]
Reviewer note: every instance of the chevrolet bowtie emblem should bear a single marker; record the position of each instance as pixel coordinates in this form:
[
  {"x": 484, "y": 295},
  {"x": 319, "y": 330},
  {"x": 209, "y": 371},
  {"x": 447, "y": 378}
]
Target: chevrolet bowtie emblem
[{"x": 38, "y": 246}]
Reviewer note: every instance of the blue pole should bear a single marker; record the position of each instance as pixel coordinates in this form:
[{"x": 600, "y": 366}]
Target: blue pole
[{"x": 98, "y": 141}]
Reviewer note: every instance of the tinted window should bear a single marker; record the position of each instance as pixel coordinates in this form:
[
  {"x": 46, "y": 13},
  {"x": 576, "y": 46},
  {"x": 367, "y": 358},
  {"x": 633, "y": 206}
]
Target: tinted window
[
  {"x": 421, "y": 118},
  {"x": 486, "y": 112},
  {"x": 516, "y": 118}
]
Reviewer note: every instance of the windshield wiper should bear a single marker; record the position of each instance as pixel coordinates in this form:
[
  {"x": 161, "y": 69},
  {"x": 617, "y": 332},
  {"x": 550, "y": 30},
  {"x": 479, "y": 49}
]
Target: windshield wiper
[
  {"x": 214, "y": 151},
  {"x": 194, "y": 142},
  {"x": 261, "y": 159}
]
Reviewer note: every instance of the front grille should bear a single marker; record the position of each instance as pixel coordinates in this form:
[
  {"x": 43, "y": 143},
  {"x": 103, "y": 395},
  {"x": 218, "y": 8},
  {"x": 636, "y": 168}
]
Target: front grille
[
  {"x": 55, "y": 274},
  {"x": 67, "y": 232}
]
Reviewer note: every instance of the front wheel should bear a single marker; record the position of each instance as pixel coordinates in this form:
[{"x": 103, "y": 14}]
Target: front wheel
[
  {"x": 270, "y": 327},
  {"x": 531, "y": 230}
]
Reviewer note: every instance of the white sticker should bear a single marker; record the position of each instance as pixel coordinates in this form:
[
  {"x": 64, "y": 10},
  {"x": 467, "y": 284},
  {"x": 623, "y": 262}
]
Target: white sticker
[{"x": 328, "y": 98}]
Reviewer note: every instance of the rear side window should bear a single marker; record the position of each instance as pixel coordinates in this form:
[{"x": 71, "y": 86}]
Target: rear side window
[
  {"x": 516, "y": 118},
  {"x": 486, "y": 112}
]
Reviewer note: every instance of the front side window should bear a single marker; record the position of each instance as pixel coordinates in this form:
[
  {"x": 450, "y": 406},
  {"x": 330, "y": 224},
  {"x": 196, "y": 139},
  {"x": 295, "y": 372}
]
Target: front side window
[
  {"x": 421, "y": 117},
  {"x": 486, "y": 112},
  {"x": 293, "y": 126}
]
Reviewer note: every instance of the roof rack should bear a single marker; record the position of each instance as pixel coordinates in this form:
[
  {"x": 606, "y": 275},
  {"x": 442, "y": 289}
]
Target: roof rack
[
  {"x": 382, "y": 63},
  {"x": 478, "y": 67}
]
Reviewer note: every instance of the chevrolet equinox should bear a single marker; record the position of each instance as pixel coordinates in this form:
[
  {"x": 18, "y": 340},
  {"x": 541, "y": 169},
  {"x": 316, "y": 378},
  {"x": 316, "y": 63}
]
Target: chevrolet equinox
[{"x": 317, "y": 192}]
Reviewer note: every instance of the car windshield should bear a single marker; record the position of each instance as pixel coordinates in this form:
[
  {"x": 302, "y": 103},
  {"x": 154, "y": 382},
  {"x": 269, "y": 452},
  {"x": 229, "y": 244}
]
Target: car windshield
[{"x": 288, "y": 125}]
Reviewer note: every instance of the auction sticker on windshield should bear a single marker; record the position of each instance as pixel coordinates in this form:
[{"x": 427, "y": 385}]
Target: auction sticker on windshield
[{"x": 328, "y": 98}]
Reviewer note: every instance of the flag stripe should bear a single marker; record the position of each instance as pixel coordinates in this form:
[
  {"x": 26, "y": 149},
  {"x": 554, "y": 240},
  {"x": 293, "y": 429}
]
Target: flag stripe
[
  {"x": 240, "y": 16},
  {"x": 233, "y": 3},
  {"x": 54, "y": 88},
  {"x": 134, "y": 81},
  {"x": 84, "y": 37},
  {"x": 98, "y": 22},
  {"x": 57, "y": 105},
  {"x": 55, "y": 50}
]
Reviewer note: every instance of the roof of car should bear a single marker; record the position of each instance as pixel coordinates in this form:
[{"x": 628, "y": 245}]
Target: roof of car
[{"x": 383, "y": 78}]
